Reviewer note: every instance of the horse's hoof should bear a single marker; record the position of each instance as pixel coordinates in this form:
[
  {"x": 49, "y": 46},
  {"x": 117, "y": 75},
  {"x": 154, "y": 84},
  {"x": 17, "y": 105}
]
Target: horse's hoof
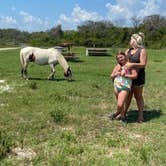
[
  {"x": 50, "y": 79},
  {"x": 24, "y": 78},
  {"x": 69, "y": 79}
]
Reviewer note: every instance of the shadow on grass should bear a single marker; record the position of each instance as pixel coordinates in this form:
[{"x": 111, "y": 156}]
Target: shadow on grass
[
  {"x": 97, "y": 55},
  {"x": 75, "y": 60},
  {"x": 55, "y": 79},
  {"x": 148, "y": 115}
]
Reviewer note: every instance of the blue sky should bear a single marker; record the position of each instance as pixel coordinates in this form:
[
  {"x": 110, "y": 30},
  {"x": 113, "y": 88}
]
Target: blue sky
[{"x": 41, "y": 15}]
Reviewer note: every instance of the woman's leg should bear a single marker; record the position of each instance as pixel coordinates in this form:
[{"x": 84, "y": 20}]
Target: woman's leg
[
  {"x": 138, "y": 94},
  {"x": 128, "y": 101}
]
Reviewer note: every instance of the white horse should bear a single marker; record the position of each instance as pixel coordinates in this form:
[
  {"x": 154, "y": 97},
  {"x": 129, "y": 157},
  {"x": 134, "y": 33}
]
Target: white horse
[{"x": 41, "y": 56}]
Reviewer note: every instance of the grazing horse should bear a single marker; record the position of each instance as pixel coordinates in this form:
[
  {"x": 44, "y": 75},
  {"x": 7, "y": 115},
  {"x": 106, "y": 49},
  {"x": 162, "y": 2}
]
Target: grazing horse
[{"x": 41, "y": 56}]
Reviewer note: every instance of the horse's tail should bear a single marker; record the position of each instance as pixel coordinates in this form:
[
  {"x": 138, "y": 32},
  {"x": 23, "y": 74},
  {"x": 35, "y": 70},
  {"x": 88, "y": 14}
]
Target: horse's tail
[
  {"x": 62, "y": 61},
  {"x": 22, "y": 62}
]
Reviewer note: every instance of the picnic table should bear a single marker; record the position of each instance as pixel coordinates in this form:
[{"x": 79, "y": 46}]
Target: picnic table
[
  {"x": 68, "y": 55},
  {"x": 97, "y": 51}
]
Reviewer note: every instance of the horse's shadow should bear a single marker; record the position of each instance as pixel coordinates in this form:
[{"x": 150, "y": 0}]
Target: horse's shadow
[
  {"x": 75, "y": 60},
  {"x": 132, "y": 115},
  {"x": 45, "y": 79}
]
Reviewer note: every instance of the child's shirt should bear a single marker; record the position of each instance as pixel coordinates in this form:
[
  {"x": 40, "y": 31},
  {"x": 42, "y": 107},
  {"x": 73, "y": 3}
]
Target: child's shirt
[{"x": 122, "y": 81}]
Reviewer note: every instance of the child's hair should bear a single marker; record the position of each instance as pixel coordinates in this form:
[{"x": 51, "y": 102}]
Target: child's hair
[{"x": 122, "y": 53}]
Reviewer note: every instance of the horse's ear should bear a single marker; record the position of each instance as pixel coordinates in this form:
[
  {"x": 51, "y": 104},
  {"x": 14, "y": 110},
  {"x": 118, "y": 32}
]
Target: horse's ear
[{"x": 69, "y": 71}]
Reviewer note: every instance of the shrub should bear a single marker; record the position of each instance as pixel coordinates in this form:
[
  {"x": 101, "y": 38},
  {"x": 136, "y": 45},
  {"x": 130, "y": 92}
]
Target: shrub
[
  {"x": 58, "y": 115},
  {"x": 32, "y": 85}
]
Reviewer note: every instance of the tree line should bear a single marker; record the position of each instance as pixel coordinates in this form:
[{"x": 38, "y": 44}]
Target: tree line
[{"x": 92, "y": 34}]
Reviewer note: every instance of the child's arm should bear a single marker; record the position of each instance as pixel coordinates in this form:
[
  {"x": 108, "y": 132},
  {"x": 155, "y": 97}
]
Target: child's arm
[
  {"x": 133, "y": 74},
  {"x": 115, "y": 71}
]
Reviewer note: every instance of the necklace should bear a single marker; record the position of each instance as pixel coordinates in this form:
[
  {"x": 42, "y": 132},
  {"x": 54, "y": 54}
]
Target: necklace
[{"x": 133, "y": 51}]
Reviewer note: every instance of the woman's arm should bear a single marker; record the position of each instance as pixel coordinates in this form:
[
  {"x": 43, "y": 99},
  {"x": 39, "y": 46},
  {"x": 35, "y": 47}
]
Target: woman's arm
[
  {"x": 143, "y": 61},
  {"x": 133, "y": 74}
]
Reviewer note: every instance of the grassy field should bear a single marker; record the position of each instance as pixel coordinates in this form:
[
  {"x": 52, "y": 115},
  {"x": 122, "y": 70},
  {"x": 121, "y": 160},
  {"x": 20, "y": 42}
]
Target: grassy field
[{"x": 46, "y": 123}]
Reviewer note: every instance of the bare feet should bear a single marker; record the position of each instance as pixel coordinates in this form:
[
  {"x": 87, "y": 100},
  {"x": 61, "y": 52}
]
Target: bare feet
[{"x": 140, "y": 120}]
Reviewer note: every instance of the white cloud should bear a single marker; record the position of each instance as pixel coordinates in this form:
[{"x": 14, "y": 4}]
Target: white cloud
[
  {"x": 27, "y": 18},
  {"x": 32, "y": 23},
  {"x": 64, "y": 18},
  {"x": 26, "y": 22},
  {"x": 118, "y": 13},
  {"x": 152, "y": 7},
  {"x": 80, "y": 15},
  {"x": 122, "y": 12},
  {"x": 77, "y": 16},
  {"x": 7, "y": 22}
]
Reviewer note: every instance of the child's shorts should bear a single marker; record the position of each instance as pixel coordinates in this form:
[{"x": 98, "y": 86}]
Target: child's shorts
[{"x": 120, "y": 88}]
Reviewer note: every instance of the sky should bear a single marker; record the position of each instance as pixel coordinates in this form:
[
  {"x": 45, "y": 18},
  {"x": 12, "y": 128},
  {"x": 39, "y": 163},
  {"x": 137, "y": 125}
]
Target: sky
[{"x": 42, "y": 15}]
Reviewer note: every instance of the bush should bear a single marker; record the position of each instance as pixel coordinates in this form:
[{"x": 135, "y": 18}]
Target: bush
[
  {"x": 32, "y": 85},
  {"x": 58, "y": 116}
]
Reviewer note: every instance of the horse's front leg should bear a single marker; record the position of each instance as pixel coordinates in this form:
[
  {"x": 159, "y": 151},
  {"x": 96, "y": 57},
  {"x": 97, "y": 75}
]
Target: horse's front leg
[{"x": 51, "y": 76}]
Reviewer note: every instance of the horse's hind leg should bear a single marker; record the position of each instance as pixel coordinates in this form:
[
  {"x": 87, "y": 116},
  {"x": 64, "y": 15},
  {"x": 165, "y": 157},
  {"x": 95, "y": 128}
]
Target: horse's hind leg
[
  {"x": 24, "y": 73},
  {"x": 51, "y": 76}
]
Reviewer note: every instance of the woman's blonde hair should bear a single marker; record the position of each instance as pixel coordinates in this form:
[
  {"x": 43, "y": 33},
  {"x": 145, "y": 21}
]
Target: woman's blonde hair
[{"x": 139, "y": 39}]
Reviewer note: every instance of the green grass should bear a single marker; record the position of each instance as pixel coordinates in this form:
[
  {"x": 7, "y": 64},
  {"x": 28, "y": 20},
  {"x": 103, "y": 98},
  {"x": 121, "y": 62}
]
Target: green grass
[{"x": 66, "y": 123}]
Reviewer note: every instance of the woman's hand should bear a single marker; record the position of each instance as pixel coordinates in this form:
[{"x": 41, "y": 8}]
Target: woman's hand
[{"x": 129, "y": 65}]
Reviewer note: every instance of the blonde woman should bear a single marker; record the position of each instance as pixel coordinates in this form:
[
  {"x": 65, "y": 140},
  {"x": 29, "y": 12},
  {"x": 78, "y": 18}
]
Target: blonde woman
[{"x": 137, "y": 56}]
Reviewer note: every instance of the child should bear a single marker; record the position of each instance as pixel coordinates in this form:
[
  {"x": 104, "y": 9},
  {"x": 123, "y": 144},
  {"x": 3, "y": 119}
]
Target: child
[{"x": 122, "y": 78}]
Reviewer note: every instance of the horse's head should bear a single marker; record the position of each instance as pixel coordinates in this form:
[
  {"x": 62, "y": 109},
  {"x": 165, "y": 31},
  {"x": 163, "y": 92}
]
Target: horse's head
[{"x": 68, "y": 74}]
